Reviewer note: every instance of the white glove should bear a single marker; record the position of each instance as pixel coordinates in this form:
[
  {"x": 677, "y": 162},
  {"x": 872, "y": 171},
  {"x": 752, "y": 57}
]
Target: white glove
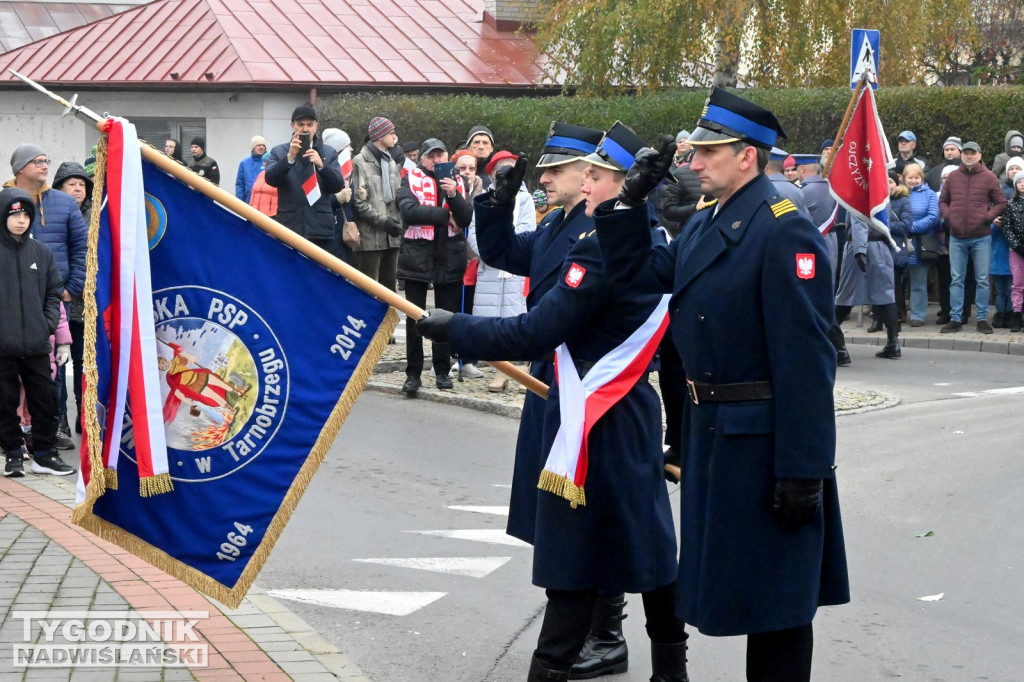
[{"x": 62, "y": 354}]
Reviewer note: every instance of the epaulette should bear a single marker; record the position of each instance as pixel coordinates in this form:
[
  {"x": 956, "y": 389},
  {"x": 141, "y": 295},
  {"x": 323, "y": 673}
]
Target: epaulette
[
  {"x": 781, "y": 208},
  {"x": 584, "y": 235}
]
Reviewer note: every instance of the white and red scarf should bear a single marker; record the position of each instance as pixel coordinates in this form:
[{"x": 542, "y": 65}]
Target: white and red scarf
[
  {"x": 424, "y": 188},
  {"x": 135, "y": 378},
  {"x": 582, "y": 402}
]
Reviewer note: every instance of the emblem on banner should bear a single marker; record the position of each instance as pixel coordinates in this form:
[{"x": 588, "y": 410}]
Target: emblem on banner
[
  {"x": 156, "y": 221},
  {"x": 224, "y": 382}
]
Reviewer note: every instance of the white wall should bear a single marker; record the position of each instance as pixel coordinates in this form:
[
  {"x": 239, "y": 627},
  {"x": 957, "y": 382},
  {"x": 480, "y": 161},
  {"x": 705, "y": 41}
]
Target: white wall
[{"x": 232, "y": 119}]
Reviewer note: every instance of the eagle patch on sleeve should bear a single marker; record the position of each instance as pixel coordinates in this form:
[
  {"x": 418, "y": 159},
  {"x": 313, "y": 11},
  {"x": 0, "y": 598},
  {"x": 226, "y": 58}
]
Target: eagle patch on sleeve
[
  {"x": 574, "y": 277},
  {"x": 805, "y": 265}
]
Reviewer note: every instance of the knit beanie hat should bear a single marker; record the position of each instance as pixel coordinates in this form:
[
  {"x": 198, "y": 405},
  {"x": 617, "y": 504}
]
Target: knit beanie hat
[
  {"x": 23, "y": 154},
  {"x": 14, "y": 200},
  {"x": 1016, "y": 141},
  {"x": 682, "y": 135},
  {"x": 336, "y": 138},
  {"x": 540, "y": 199},
  {"x": 1017, "y": 178},
  {"x": 789, "y": 162},
  {"x": 1015, "y": 161},
  {"x": 479, "y": 130},
  {"x": 947, "y": 170},
  {"x": 199, "y": 142},
  {"x": 379, "y": 127},
  {"x": 256, "y": 140},
  {"x": 955, "y": 141}
]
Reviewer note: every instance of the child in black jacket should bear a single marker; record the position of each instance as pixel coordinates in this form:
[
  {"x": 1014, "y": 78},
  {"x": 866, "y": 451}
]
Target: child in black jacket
[{"x": 30, "y": 299}]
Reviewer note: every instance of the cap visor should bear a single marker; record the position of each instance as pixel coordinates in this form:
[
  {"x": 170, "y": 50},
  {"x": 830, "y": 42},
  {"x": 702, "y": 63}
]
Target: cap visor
[
  {"x": 597, "y": 160},
  {"x": 548, "y": 160},
  {"x": 705, "y": 136}
]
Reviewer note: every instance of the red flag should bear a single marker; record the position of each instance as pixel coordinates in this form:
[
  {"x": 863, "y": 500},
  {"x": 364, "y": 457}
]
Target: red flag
[{"x": 858, "y": 178}]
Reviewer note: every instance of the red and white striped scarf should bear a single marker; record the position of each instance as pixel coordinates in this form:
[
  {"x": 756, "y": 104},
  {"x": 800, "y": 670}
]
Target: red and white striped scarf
[
  {"x": 582, "y": 402},
  {"x": 135, "y": 378}
]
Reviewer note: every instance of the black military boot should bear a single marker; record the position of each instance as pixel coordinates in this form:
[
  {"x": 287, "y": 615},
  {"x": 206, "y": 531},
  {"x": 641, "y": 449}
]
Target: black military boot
[
  {"x": 541, "y": 673},
  {"x": 604, "y": 652},
  {"x": 999, "y": 321},
  {"x": 668, "y": 662},
  {"x": 876, "y": 326},
  {"x": 1016, "y": 322},
  {"x": 892, "y": 344}
]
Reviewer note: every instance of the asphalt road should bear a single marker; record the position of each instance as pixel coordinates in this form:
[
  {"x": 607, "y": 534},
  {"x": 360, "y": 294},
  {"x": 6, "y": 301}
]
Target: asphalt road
[{"x": 940, "y": 462}]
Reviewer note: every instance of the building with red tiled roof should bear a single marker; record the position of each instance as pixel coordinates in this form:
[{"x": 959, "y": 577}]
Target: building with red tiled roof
[{"x": 231, "y": 69}]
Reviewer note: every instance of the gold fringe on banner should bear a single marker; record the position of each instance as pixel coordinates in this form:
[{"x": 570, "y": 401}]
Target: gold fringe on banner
[
  {"x": 155, "y": 485},
  {"x": 563, "y": 487},
  {"x": 83, "y": 516},
  {"x": 100, "y": 479}
]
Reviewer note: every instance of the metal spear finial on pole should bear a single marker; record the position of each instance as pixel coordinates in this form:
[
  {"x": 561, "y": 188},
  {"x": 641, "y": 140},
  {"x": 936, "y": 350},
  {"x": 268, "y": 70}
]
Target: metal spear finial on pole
[{"x": 84, "y": 113}]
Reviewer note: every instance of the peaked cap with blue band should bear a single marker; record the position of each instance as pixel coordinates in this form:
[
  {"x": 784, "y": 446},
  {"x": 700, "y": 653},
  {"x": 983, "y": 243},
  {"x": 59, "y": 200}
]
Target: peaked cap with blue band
[
  {"x": 807, "y": 159},
  {"x": 618, "y": 149},
  {"x": 730, "y": 118},
  {"x": 567, "y": 143},
  {"x": 778, "y": 154}
]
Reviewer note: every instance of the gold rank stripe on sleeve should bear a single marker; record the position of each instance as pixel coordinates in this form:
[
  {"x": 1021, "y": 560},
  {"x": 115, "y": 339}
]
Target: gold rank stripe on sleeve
[{"x": 783, "y": 207}]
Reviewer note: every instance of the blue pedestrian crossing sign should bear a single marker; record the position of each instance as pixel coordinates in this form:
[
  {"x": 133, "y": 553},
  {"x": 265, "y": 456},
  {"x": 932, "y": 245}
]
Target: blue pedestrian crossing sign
[{"x": 864, "y": 57}]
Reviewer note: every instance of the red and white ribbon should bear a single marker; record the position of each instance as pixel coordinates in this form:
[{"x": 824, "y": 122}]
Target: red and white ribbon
[{"x": 582, "y": 402}]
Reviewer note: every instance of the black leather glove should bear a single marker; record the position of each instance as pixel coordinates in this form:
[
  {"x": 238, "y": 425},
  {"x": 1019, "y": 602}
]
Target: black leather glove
[
  {"x": 648, "y": 170},
  {"x": 394, "y": 227},
  {"x": 862, "y": 261},
  {"x": 508, "y": 180},
  {"x": 435, "y": 325},
  {"x": 797, "y": 501}
]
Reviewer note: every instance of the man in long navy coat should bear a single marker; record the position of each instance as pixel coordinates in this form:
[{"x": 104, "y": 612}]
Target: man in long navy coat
[
  {"x": 761, "y": 536},
  {"x": 603, "y": 526}
]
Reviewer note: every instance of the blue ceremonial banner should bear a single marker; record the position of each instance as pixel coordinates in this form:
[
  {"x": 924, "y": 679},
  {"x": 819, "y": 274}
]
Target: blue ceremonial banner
[{"x": 261, "y": 353}]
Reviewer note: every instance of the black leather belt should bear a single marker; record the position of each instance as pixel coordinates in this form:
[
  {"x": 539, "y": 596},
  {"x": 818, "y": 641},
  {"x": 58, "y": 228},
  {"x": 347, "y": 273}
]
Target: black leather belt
[
  {"x": 585, "y": 366},
  {"x": 728, "y": 393}
]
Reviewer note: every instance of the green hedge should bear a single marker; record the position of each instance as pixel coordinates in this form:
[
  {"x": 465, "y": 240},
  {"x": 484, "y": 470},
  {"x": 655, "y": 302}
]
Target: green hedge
[{"x": 983, "y": 114}]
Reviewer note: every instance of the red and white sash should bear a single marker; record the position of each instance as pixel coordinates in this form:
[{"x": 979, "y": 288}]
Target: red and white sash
[
  {"x": 582, "y": 402},
  {"x": 827, "y": 226},
  {"x": 135, "y": 379}
]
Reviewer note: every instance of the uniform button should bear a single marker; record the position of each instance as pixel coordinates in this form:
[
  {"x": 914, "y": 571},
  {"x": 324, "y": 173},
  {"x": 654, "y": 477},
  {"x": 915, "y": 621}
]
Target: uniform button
[
  {"x": 700, "y": 317},
  {"x": 708, "y": 374},
  {"x": 711, "y": 429}
]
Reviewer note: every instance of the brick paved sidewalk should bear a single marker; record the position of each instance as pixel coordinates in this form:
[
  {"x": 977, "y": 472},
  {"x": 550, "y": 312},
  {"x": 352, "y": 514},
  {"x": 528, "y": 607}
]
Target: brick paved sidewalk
[{"x": 47, "y": 564}]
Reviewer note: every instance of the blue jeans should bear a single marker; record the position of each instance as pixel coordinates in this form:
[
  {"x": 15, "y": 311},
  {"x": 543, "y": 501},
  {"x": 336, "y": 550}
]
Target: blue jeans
[
  {"x": 919, "y": 291},
  {"x": 980, "y": 251}
]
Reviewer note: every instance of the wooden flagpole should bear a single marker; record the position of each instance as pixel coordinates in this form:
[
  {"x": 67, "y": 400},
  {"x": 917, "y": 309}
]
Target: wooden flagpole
[{"x": 844, "y": 125}]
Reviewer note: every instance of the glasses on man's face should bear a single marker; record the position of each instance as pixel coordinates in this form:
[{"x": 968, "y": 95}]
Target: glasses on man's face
[{"x": 39, "y": 163}]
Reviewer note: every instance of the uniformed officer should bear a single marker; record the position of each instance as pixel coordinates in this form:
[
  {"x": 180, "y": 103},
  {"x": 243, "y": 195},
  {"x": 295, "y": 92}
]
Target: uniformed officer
[
  {"x": 539, "y": 255},
  {"x": 603, "y": 522},
  {"x": 761, "y": 536},
  {"x": 785, "y": 188}
]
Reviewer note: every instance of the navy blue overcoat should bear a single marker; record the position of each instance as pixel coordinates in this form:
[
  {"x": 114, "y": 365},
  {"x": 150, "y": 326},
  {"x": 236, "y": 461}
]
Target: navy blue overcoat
[
  {"x": 623, "y": 539},
  {"x": 751, "y": 301},
  {"x": 537, "y": 255}
]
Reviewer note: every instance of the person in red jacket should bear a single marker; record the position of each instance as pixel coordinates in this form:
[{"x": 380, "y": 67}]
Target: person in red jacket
[{"x": 970, "y": 200}]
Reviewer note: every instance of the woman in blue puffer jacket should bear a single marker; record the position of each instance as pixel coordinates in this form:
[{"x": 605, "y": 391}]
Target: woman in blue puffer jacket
[{"x": 924, "y": 204}]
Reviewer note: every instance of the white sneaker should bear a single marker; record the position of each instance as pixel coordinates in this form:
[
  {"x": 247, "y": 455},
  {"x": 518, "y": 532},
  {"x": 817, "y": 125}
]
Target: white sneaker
[{"x": 469, "y": 371}]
